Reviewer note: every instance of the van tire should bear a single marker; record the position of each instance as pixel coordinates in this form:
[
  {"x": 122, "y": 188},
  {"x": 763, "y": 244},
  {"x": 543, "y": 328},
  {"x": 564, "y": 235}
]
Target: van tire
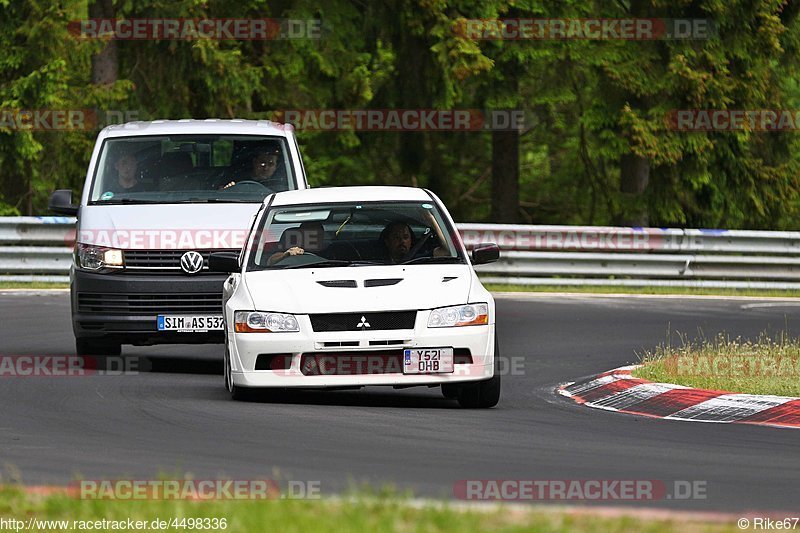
[{"x": 96, "y": 346}]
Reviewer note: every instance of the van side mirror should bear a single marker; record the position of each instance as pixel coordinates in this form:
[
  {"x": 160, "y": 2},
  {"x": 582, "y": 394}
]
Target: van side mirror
[
  {"x": 226, "y": 262},
  {"x": 485, "y": 252},
  {"x": 61, "y": 203}
]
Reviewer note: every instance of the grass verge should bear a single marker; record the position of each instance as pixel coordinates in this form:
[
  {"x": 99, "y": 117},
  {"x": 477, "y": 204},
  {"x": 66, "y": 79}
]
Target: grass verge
[
  {"x": 767, "y": 365},
  {"x": 383, "y": 513},
  {"x": 32, "y": 285},
  {"x": 700, "y": 291}
]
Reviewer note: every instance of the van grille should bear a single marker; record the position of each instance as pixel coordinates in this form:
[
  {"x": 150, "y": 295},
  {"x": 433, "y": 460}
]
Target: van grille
[
  {"x": 150, "y": 304},
  {"x": 164, "y": 260}
]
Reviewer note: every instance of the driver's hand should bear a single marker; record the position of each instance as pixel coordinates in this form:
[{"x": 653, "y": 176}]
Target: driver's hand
[
  {"x": 294, "y": 250},
  {"x": 229, "y": 184}
]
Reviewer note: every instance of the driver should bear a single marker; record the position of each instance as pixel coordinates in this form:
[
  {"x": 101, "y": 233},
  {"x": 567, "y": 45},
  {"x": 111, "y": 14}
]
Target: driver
[
  {"x": 262, "y": 166},
  {"x": 308, "y": 237}
]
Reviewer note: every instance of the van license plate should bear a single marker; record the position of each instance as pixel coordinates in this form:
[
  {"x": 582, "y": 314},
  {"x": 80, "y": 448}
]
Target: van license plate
[{"x": 190, "y": 323}]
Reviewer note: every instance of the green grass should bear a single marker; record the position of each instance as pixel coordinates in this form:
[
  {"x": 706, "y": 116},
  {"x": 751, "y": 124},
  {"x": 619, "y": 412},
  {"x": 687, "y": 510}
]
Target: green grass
[
  {"x": 381, "y": 513},
  {"x": 32, "y": 285},
  {"x": 496, "y": 287},
  {"x": 767, "y": 365}
]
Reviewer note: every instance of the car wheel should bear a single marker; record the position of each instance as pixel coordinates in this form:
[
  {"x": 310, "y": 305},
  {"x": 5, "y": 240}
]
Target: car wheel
[
  {"x": 450, "y": 391},
  {"x": 483, "y": 394},
  {"x": 93, "y": 346},
  {"x": 237, "y": 393}
]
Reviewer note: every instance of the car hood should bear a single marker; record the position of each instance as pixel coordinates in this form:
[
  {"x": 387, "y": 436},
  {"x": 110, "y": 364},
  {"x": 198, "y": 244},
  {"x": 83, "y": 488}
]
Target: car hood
[
  {"x": 166, "y": 226},
  {"x": 299, "y": 291}
]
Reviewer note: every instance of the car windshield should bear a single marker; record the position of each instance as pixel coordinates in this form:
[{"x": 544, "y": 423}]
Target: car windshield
[
  {"x": 353, "y": 234},
  {"x": 191, "y": 169}
]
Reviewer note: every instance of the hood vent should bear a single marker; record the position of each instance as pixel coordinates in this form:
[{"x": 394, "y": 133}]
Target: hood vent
[
  {"x": 382, "y": 282},
  {"x": 341, "y": 283},
  {"x": 448, "y": 278}
]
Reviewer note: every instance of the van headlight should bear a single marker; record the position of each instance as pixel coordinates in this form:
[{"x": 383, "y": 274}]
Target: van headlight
[
  {"x": 459, "y": 315},
  {"x": 260, "y": 322},
  {"x": 90, "y": 257}
]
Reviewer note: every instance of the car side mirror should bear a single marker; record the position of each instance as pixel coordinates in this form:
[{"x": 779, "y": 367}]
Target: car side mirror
[
  {"x": 226, "y": 262},
  {"x": 61, "y": 203},
  {"x": 485, "y": 252}
]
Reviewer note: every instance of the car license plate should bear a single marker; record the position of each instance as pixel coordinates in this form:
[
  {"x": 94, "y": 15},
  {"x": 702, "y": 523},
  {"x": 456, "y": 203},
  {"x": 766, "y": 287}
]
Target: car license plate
[
  {"x": 189, "y": 323},
  {"x": 428, "y": 361}
]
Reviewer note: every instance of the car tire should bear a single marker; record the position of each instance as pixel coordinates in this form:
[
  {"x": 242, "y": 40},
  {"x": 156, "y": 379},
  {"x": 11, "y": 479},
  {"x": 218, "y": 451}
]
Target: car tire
[
  {"x": 94, "y": 346},
  {"x": 238, "y": 394},
  {"x": 483, "y": 394},
  {"x": 450, "y": 390}
]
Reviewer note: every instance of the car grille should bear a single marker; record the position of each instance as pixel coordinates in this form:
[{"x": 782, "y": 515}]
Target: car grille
[
  {"x": 163, "y": 260},
  {"x": 352, "y": 321},
  {"x": 150, "y": 304}
]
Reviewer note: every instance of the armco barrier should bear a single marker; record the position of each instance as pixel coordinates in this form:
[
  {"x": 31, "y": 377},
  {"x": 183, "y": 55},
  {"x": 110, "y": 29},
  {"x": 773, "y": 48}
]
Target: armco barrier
[{"x": 40, "y": 248}]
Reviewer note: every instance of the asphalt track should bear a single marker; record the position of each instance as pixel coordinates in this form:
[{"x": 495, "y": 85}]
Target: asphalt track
[{"x": 174, "y": 417}]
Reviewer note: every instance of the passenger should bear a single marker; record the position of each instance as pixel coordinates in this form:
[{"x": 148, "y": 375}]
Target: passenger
[
  {"x": 399, "y": 240},
  {"x": 127, "y": 175},
  {"x": 309, "y": 237}
]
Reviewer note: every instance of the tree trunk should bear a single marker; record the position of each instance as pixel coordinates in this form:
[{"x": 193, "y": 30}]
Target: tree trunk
[
  {"x": 505, "y": 177},
  {"x": 105, "y": 65},
  {"x": 634, "y": 178}
]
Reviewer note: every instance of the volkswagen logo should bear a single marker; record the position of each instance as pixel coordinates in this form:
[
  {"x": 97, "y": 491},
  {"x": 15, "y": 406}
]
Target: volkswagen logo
[
  {"x": 191, "y": 262},
  {"x": 363, "y": 324}
]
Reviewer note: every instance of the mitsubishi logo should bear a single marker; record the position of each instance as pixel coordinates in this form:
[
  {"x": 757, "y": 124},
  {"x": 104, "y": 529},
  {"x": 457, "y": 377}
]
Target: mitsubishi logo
[
  {"x": 191, "y": 262},
  {"x": 363, "y": 324}
]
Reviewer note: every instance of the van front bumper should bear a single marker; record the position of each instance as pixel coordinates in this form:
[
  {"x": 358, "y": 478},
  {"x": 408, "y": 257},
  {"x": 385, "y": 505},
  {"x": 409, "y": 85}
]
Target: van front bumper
[{"x": 123, "y": 308}]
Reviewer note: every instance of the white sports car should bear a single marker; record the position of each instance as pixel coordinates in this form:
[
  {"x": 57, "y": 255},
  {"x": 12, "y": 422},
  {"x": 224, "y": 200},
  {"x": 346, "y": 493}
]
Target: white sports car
[{"x": 354, "y": 286}]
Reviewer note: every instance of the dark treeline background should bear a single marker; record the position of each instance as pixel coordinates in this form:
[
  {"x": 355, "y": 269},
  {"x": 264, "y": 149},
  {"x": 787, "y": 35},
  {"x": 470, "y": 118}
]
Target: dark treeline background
[{"x": 595, "y": 150}]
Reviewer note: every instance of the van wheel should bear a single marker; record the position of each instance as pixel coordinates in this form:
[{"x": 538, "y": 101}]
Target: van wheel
[{"x": 95, "y": 346}]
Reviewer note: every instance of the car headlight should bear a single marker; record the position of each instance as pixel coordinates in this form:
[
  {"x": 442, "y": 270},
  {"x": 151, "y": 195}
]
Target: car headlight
[
  {"x": 459, "y": 315},
  {"x": 92, "y": 257},
  {"x": 260, "y": 322}
]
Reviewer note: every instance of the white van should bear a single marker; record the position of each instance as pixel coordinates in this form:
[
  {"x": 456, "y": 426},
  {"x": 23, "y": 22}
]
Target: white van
[{"x": 159, "y": 198}]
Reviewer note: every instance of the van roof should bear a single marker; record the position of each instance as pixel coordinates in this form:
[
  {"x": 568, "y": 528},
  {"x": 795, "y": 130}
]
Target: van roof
[{"x": 192, "y": 126}]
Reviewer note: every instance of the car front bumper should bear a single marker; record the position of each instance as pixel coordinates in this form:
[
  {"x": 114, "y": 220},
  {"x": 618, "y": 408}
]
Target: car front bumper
[{"x": 477, "y": 341}]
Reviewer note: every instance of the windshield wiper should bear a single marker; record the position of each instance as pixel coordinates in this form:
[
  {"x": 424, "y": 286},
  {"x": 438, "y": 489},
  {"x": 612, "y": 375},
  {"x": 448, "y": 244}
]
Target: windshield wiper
[
  {"x": 215, "y": 201},
  {"x": 125, "y": 201},
  {"x": 326, "y": 263},
  {"x": 440, "y": 259}
]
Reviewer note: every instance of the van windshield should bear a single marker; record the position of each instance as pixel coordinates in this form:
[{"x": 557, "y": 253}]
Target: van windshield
[{"x": 191, "y": 169}]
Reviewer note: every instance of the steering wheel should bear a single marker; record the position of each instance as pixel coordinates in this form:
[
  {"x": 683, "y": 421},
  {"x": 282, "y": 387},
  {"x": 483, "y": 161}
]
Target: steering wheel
[
  {"x": 417, "y": 247},
  {"x": 248, "y": 183}
]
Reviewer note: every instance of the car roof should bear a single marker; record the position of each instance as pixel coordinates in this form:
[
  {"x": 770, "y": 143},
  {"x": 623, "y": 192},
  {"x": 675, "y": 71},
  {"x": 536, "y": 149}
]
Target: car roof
[
  {"x": 192, "y": 126},
  {"x": 372, "y": 193}
]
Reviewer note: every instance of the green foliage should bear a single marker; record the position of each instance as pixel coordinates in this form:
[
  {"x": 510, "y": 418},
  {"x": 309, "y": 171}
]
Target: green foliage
[{"x": 587, "y": 103}]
